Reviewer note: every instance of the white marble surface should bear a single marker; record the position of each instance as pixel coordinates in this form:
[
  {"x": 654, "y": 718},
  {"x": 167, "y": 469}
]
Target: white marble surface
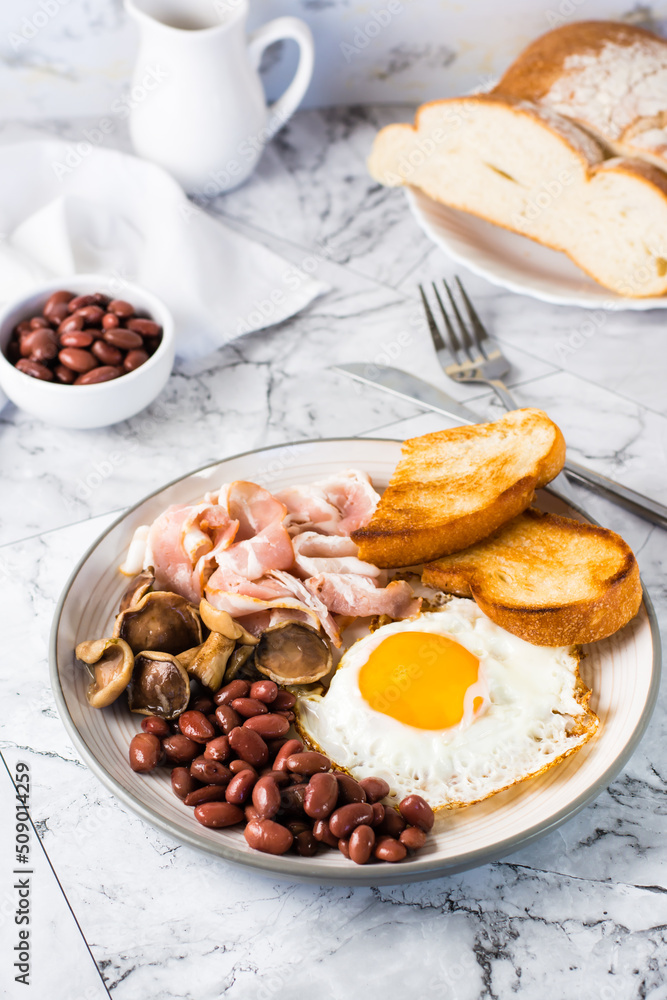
[{"x": 580, "y": 913}]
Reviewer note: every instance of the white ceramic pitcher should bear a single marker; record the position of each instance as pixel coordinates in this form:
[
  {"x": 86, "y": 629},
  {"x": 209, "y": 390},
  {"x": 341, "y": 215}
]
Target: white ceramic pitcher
[{"x": 197, "y": 103}]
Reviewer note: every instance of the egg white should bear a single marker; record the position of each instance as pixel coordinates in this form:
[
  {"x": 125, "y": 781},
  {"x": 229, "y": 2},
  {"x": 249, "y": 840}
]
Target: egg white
[{"x": 535, "y": 712}]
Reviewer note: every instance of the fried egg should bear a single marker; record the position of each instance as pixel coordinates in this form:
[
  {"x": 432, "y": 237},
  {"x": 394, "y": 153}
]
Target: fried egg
[{"x": 450, "y": 706}]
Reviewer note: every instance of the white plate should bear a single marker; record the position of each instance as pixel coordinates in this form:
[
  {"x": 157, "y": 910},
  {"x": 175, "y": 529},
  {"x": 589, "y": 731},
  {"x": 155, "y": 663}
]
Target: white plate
[
  {"x": 514, "y": 261},
  {"x": 623, "y": 672}
]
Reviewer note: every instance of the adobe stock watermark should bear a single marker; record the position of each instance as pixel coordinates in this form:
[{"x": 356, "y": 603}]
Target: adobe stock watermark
[
  {"x": 365, "y": 33},
  {"x": 549, "y": 193},
  {"x": 565, "y": 10},
  {"x": 31, "y": 26}
]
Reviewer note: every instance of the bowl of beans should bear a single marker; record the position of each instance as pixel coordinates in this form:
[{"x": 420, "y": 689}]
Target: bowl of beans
[{"x": 84, "y": 351}]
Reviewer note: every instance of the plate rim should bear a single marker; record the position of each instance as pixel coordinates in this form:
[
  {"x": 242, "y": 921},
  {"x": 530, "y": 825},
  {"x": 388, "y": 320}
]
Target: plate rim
[
  {"x": 414, "y": 870},
  {"x": 614, "y": 302}
]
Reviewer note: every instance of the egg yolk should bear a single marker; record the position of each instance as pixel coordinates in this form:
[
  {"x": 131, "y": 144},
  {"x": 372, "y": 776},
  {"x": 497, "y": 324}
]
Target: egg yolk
[{"x": 419, "y": 678}]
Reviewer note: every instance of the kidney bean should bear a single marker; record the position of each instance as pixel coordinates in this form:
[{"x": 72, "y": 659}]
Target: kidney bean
[
  {"x": 58, "y": 312},
  {"x": 145, "y": 752},
  {"x": 105, "y": 373},
  {"x": 417, "y": 812},
  {"x": 378, "y": 814},
  {"x": 286, "y": 751},
  {"x": 264, "y": 690},
  {"x": 283, "y": 701},
  {"x": 227, "y": 718},
  {"x": 266, "y": 797},
  {"x": 134, "y": 360},
  {"x": 155, "y": 725},
  {"x": 22, "y": 327},
  {"x": 64, "y": 374},
  {"x": 34, "y": 369},
  {"x": 210, "y": 772},
  {"x": 349, "y": 790},
  {"x": 179, "y": 749},
  {"x": 41, "y": 344},
  {"x": 268, "y": 726},
  {"x": 281, "y": 778},
  {"x": 276, "y": 745},
  {"x": 218, "y": 749},
  {"x": 118, "y": 336},
  {"x": 38, "y": 322},
  {"x": 344, "y": 819},
  {"x": 322, "y": 833},
  {"x": 110, "y": 321},
  {"x": 304, "y": 843},
  {"x": 268, "y": 836},
  {"x": 182, "y": 782},
  {"x": 308, "y": 762},
  {"x": 203, "y": 704},
  {"x": 375, "y": 789},
  {"x": 248, "y": 707},
  {"x": 76, "y": 338},
  {"x": 56, "y": 299},
  {"x": 107, "y": 354},
  {"x": 292, "y": 798},
  {"x": 101, "y": 299},
  {"x": 214, "y": 722},
  {"x": 146, "y": 327},
  {"x": 388, "y": 849},
  {"x": 393, "y": 823},
  {"x": 250, "y": 812},
  {"x": 413, "y": 837},
  {"x": 362, "y": 842},
  {"x": 321, "y": 796},
  {"x": 79, "y": 301},
  {"x": 196, "y": 726},
  {"x": 239, "y": 788},
  {"x": 249, "y": 746},
  {"x": 235, "y": 689},
  {"x": 70, "y": 325},
  {"x": 344, "y": 847},
  {"x": 91, "y": 315},
  {"x": 218, "y": 814},
  {"x": 290, "y": 716},
  {"x": 236, "y": 766},
  {"x": 120, "y": 308},
  {"x": 77, "y": 359}
]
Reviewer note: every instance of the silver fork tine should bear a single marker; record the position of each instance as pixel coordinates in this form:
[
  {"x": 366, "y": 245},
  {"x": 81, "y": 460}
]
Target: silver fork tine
[
  {"x": 465, "y": 336},
  {"x": 438, "y": 342},
  {"x": 454, "y": 345},
  {"x": 478, "y": 330}
]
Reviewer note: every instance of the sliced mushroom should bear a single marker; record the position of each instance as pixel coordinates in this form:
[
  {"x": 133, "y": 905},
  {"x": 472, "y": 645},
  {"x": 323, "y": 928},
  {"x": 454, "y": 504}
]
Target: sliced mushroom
[
  {"x": 241, "y": 665},
  {"x": 211, "y": 660},
  {"x": 186, "y": 658},
  {"x": 222, "y": 622},
  {"x": 137, "y": 588},
  {"x": 293, "y": 653},
  {"x": 160, "y": 621},
  {"x": 112, "y": 662},
  {"x": 159, "y": 685}
]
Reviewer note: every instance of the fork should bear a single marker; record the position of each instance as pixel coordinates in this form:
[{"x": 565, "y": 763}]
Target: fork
[{"x": 471, "y": 355}]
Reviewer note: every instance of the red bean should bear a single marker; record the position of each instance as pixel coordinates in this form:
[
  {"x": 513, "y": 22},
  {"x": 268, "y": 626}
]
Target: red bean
[
  {"x": 77, "y": 359},
  {"x": 209, "y": 793},
  {"x": 249, "y": 746},
  {"x": 236, "y": 766},
  {"x": 268, "y": 836},
  {"x": 91, "y": 315},
  {"x": 308, "y": 762},
  {"x": 281, "y": 778},
  {"x": 287, "y": 749},
  {"x": 105, "y": 373},
  {"x": 284, "y": 701},
  {"x": 34, "y": 369},
  {"x": 218, "y": 749},
  {"x": 59, "y": 299},
  {"x": 378, "y": 814},
  {"x": 304, "y": 843},
  {"x": 248, "y": 707},
  {"x": 41, "y": 344},
  {"x": 179, "y": 749},
  {"x": 362, "y": 842},
  {"x": 79, "y": 301},
  {"x": 393, "y": 823},
  {"x": 413, "y": 837},
  {"x": 134, "y": 359},
  {"x": 218, "y": 814},
  {"x": 344, "y": 847},
  {"x": 196, "y": 726},
  {"x": 39, "y": 321},
  {"x": 109, "y": 321},
  {"x": 388, "y": 849},
  {"x": 182, "y": 782},
  {"x": 321, "y": 796},
  {"x": 76, "y": 338},
  {"x": 375, "y": 789},
  {"x": 268, "y": 726},
  {"x": 146, "y": 327},
  {"x": 250, "y": 812},
  {"x": 349, "y": 789},
  {"x": 70, "y": 325},
  {"x": 264, "y": 690},
  {"x": 145, "y": 752},
  {"x": 107, "y": 354},
  {"x": 290, "y": 716},
  {"x": 292, "y": 799},
  {"x": 157, "y": 726},
  {"x": 235, "y": 689},
  {"x": 64, "y": 374},
  {"x": 118, "y": 336},
  {"x": 227, "y": 718},
  {"x": 239, "y": 788},
  {"x": 203, "y": 704},
  {"x": 120, "y": 308},
  {"x": 343, "y": 821},
  {"x": 322, "y": 833},
  {"x": 417, "y": 812},
  {"x": 210, "y": 772},
  {"x": 266, "y": 797}
]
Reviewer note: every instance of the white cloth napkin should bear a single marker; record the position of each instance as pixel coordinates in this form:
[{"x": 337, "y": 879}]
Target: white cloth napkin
[{"x": 65, "y": 210}]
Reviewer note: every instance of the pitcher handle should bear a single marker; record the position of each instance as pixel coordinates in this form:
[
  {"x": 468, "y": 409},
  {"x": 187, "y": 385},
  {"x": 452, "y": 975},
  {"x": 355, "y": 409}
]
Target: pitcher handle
[{"x": 275, "y": 31}]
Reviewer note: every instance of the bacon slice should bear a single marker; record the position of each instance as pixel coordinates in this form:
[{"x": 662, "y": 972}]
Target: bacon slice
[
  {"x": 315, "y": 554},
  {"x": 350, "y": 594},
  {"x": 333, "y": 506},
  {"x": 180, "y": 546}
]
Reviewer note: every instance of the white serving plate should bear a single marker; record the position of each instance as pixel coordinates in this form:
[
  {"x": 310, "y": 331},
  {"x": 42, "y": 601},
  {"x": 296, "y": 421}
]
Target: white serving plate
[
  {"x": 623, "y": 672},
  {"x": 515, "y": 262}
]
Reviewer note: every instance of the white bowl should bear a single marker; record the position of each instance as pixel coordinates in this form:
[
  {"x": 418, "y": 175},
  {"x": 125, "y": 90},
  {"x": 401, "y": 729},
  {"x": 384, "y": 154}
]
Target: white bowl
[{"x": 87, "y": 406}]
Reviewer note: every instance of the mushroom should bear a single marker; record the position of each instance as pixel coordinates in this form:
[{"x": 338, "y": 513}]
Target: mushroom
[
  {"x": 210, "y": 660},
  {"x": 160, "y": 621},
  {"x": 137, "y": 588},
  {"x": 112, "y": 662},
  {"x": 159, "y": 685},
  {"x": 293, "y": 653},
  {"x": 222, "y": 622},
  {"x": 237, "y": 664}
]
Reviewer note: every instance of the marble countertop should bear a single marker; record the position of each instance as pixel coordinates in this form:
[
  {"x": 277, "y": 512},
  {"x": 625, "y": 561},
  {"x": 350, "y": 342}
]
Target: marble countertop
[{"x": 120, "y": 908}]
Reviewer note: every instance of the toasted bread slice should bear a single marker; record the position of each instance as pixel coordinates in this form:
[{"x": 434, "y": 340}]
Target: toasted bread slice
[
  {"x": 456, "y": 486},
  {"x": 550, "y": 580}
]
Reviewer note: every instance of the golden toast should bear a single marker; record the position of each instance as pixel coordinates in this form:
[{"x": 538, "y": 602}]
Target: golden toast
[
  {"x": 550, "y": 580},
  {"x": 454, "y": 487}
]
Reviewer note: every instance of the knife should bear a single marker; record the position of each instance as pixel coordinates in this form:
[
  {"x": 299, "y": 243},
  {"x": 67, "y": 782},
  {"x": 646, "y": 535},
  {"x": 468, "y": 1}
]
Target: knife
[{"x": 417, "y": 390}]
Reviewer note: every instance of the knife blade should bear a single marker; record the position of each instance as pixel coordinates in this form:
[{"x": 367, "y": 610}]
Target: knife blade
[{"x": 429, "y": 397}]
